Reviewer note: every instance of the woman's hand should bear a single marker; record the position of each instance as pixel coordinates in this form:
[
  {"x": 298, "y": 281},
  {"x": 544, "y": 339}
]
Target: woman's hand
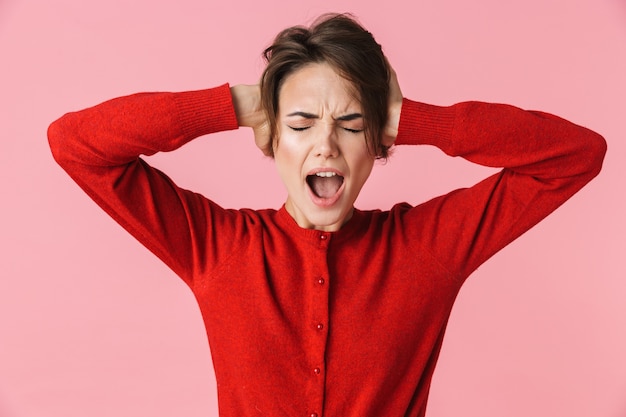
[
  {"x": 250, "y": 113},
  {"x": 390, "y": 132}
]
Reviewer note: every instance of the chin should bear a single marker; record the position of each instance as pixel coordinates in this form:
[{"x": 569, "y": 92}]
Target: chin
[
  {"x": 308, "y": 215},
  {"x": 329, "y": 221}
]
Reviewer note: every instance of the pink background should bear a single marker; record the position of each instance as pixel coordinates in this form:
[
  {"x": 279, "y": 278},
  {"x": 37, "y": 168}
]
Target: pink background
[{"x": 91, "y": 324}]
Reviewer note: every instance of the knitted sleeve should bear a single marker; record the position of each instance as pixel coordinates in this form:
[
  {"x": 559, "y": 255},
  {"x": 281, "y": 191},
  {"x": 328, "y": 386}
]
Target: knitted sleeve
[
  {"x": 545, "y": 160},
  {"x": 100, "y": 149}
]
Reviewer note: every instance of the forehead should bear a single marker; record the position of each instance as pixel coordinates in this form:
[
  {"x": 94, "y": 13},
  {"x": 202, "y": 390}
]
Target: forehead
[{"x": 318, "y": 87}]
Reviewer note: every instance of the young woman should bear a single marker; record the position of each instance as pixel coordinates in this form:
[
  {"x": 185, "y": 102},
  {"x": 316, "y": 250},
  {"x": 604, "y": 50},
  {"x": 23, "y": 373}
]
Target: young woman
[{"x": 318, "y": 308}]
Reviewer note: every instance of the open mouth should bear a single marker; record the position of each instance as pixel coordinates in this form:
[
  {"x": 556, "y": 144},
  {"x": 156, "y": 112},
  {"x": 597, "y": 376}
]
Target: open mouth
[{"x": 325, "y": 184}]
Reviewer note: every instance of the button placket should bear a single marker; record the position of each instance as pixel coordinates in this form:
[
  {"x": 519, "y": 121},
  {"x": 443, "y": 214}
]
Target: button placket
[{"x": 318, "y": 323}]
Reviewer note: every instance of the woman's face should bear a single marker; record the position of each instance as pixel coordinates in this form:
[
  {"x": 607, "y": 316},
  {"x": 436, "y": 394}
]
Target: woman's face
[{"x": 321, "y": 155}]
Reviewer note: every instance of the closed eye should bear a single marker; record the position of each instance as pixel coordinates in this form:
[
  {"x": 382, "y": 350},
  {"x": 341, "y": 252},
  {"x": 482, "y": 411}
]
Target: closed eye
[
  {"x": 298, "y": 129},
  {"x": 352, "y": 130}
]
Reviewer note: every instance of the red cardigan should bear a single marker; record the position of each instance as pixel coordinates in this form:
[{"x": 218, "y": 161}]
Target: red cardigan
[{"x": 308, "y": 323}]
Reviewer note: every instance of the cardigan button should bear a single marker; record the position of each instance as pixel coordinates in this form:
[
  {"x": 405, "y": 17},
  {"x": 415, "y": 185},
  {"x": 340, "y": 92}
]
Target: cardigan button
[
  {"x": 323, "y": 237},
  {"x": 320, "y": 281},
  {"x": 313, "y": 415},
  {"x": 319, "y": 326},
  {"x": 317, "y": 371}
]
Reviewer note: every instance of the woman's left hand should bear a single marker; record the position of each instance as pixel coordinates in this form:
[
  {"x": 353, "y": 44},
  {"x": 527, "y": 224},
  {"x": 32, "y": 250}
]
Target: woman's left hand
[{"x": 390, "y": 131}]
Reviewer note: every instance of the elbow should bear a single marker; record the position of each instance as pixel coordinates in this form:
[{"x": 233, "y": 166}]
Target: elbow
[
  {"x": 58, "y": 132},
  {"x": 595, "y": 150}
]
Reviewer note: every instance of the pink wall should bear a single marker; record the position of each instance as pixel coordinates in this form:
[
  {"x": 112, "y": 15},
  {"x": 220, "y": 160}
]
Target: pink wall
[{"x": 92, "y": 325}]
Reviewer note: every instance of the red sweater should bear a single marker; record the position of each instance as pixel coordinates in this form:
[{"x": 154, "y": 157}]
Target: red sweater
[{"x": 308, "y": 323}]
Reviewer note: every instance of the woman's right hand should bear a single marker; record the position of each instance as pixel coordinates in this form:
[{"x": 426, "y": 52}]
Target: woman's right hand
[{"x": 250, "y": 113}]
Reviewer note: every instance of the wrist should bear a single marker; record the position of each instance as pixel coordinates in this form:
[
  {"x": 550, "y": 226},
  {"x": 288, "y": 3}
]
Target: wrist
[
  {"x": 247, "y": 103},
  {"x": 393, "y": 122}
]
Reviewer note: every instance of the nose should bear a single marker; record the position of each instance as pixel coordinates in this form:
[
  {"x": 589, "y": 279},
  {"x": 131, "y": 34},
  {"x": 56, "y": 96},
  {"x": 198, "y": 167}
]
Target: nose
[{"x": 326, "y": 143}]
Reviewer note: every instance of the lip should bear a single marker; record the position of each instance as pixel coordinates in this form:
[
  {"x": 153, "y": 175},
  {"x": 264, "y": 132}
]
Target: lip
[{"x": 325, "y": 202}]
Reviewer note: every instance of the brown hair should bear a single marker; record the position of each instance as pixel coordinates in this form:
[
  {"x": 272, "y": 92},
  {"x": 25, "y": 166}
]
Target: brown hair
[{"x": 340, "y": 41}]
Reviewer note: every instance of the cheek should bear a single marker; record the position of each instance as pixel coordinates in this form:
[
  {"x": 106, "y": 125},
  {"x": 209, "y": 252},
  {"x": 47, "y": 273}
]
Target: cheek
[
  {"x": 361, "y": 162},
  {"x": 359, "y": 173},
  {"x": 287, "y": 159},
  {"x": 291, "y": 146},
  {"x": 364, "y": 170},
  {"x": 281, "y": 151}
]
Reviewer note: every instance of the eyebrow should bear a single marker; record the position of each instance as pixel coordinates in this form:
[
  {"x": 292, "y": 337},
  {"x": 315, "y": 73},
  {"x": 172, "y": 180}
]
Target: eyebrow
[{"x": 344, "y": 118}]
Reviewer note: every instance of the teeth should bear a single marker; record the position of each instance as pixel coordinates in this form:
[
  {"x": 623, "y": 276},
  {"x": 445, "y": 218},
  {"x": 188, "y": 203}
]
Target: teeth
[{"x": 325, "y": 174}]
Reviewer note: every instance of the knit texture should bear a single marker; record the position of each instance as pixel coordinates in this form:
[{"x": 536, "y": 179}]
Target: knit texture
[{"x": 302, "y": 322}]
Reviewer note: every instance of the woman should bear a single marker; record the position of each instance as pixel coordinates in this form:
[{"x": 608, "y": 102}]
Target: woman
[{"x": 319, "y": 308}]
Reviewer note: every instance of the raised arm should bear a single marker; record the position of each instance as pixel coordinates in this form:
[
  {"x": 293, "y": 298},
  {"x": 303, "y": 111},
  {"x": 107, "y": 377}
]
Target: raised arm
[
  {"x": 100, "y": 149},
  {"x": 545, "y": 160}
]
